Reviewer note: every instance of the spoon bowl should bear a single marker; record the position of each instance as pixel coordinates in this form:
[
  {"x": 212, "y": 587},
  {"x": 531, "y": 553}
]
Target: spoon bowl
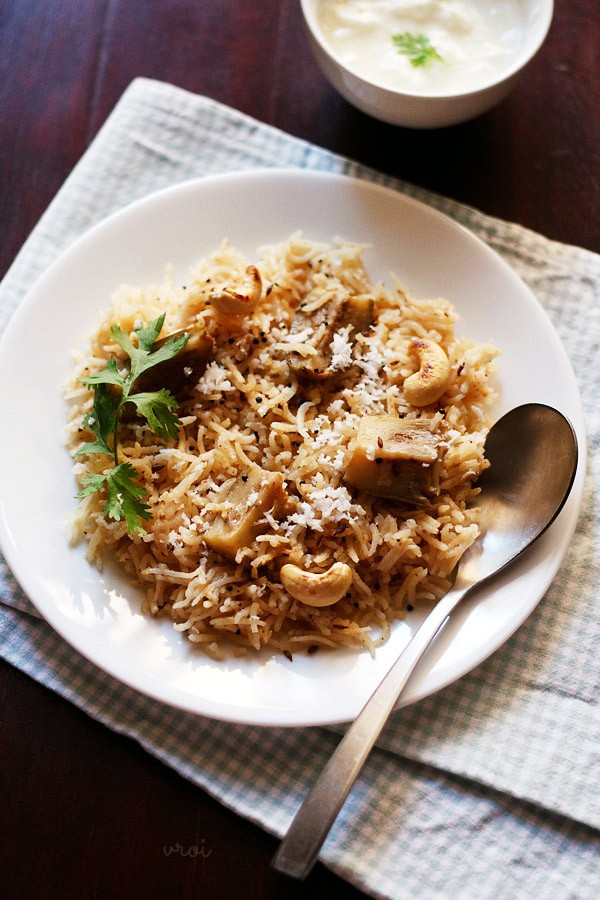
[
  {"x": 532, "y": 454},
  {"x": 517, "y": 504}
]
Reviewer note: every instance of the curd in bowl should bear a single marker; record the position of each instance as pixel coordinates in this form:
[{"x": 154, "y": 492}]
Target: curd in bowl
[{"x": 425, "y": 63}]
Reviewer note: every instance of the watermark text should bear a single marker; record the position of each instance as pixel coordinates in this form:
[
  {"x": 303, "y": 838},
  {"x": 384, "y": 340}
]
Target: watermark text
[{"x": 193, "y": 850}]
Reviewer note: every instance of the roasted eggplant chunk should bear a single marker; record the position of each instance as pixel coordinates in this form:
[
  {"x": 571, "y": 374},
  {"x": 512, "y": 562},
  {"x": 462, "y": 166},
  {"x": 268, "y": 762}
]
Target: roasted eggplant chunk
[
  {"x": 394, "y": 458},
  {"x": 347, "y": 316},
  {"x": 246, "y": 501}
]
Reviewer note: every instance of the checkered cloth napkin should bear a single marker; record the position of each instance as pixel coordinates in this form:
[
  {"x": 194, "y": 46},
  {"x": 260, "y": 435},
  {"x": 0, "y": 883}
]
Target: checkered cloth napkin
[{"x": 490, "y": 788}]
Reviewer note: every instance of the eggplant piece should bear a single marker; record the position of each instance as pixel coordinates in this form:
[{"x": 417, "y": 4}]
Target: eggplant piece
[
  {"x": 325, "y": 322},
  {"x": 394, "y": 458},
  {"x": 247, "y": 500}
]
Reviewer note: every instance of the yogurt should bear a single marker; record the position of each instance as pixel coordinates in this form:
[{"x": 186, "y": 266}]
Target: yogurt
[{"x": 477, "y": 40}]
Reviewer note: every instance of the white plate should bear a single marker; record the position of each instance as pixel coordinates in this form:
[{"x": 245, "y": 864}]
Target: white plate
[{"x": 99, "y": 615}]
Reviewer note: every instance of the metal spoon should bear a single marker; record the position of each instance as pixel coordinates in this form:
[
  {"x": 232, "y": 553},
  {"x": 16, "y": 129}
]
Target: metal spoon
[{"x": 533, "y": 457}]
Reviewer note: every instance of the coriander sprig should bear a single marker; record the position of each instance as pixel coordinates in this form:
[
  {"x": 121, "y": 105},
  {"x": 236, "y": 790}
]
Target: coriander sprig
[
  {"x": 417, "y": 47},
  {"x": 114, "y": 388}
]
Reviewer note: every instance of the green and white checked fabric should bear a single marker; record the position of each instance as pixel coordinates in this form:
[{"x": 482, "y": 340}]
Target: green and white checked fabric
[{"x": 491, "y": 788}]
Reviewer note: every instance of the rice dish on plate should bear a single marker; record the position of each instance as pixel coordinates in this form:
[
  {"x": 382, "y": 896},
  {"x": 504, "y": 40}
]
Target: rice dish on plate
[{"x": 321, "y": 478}]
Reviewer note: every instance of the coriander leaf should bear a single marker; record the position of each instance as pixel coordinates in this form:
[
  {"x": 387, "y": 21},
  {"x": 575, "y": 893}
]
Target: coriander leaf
[
  {"x": 143, "y": 357},
  {"x": 156, "y": 407},
  {"x": 89, "y": 447},
  {"x": 417, "y": 47},
  {"x": 109, "y": 375},
  {"x": 167, "y": 350},
  {"x": 147, "y": 334},
  {"x": 123, "y": 496},
  {"x": 124, "y": 341},
  {"x": 92, "y": 485},
  {"x": 102, "y": 421},
  {"x": 124, "y": 476}
]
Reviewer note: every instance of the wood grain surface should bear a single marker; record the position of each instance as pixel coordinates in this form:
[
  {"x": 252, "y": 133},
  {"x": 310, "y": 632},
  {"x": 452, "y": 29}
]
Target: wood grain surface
[{"x": 85, "y": 813}]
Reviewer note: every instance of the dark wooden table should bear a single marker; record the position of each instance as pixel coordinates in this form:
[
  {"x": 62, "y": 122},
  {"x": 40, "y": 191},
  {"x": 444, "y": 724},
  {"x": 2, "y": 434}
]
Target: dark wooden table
[{"x": 85, "y": 812}]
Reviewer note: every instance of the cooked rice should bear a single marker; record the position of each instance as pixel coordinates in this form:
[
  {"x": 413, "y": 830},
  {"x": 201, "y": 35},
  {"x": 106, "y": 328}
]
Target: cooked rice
[{"x": 249, "y": 407}]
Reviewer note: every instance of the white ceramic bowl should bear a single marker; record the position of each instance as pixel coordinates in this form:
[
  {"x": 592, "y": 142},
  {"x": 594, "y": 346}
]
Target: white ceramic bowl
[{"x": 418, "y": 110}]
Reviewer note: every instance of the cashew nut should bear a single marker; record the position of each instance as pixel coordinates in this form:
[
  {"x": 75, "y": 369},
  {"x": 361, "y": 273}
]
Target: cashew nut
[
  {"x": 429, "y": 383},
  {"x": 232, "y": 303},
  {"x": 316, "y": 589}
]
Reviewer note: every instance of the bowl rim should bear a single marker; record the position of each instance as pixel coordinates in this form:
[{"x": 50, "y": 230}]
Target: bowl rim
[{"x": 526, "y": 54}]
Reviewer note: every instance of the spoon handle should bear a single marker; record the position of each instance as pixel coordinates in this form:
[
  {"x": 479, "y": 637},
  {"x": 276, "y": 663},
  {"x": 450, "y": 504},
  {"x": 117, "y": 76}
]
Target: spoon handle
[{"x": 300, "y": 847}]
